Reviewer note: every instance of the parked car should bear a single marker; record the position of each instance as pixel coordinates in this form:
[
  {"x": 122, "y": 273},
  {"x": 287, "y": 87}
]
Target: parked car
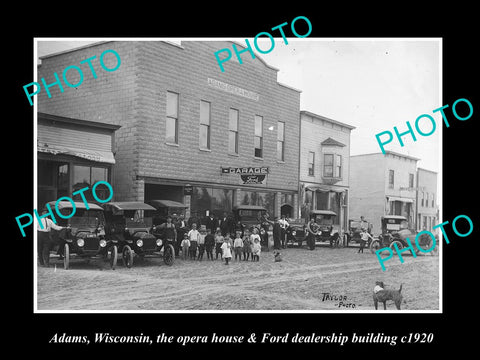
[
  {"x": 85, "y": 235},
  {"x": 296, "y": 232},
  {"x": 130, "y": 224},
  {"x": 326, "y": 230},
  {"x": 395, "y": 231},
  {"x": 165, "y": 208},
  {"x": 253, "y": 216},
  {"x": 354, "y": 231}
]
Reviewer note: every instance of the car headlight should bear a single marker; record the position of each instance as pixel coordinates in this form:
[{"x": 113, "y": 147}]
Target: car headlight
[
  {"x": 103, "y": 243},
  {"x": 294, "y": 233},
  {"x": 139, "y": 243},
  {"x": 159, "y": 242},
  {"x": 80, "y": 242}
]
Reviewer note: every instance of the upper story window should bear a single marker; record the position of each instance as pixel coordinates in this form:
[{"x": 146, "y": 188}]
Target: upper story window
[
  {"x": 410, "y": 180},
  {"x": 391, "y": 179},
  {"x": 311, "y": 163},
  {"x": 280, "y": 141},
  {"x": 171, "y": 125},
  {"x": 204, "y": 125},
  {"x": 258, "y": 138},
  {"x": 233, "y": 131}
]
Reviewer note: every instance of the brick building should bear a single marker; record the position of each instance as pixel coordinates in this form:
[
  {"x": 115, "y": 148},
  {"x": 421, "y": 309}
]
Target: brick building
[
  {"x": 383, "y": 185},
  {"x": 324, "y": 166},
  {"x": 233, "y": 136}
]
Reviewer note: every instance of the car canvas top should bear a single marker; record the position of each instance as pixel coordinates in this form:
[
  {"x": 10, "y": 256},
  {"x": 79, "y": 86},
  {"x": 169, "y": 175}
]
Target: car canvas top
[
  {"x": 78, "y": 205},
  {"x": 129, "y": 205}
]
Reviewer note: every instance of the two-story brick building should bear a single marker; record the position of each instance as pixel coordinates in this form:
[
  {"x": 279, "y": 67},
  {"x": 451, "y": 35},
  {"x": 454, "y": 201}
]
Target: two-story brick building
[
  {"x": 324, "y": 166},
  {"x": 233, "y": 136},
  {"x": 383, "y": 185}
]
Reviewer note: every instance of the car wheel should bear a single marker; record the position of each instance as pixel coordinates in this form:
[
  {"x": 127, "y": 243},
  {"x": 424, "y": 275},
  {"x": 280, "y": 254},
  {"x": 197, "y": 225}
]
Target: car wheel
[
  {"x": 127, "y": 256},
  {"x": 399, "y": 245},
  {"x": 66, "y": 257},
  {"x": 168, "y": 255},
  {"x": 113, "y": 257},
  {"x": 374, "y": 246}
]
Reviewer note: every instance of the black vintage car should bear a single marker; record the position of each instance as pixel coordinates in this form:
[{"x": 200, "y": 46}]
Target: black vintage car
[
  {"x": 323, "y": 227},
  {"x": 354, "y": 231},
  {"x": 253, "y": 216},
  {"x": 165, "y": 208},
  {"x": 395, "y": 231},
  {"x": 85, "y": 235},
  {"x": 130, "y": 224}
]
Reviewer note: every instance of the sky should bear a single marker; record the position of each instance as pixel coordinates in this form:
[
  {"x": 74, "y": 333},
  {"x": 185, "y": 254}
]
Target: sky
[{"x": 372, "y": 84}]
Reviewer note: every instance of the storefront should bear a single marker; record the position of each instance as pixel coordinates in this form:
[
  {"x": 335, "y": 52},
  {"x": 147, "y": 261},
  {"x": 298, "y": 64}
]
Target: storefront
[{"x": 72, "y": 154}]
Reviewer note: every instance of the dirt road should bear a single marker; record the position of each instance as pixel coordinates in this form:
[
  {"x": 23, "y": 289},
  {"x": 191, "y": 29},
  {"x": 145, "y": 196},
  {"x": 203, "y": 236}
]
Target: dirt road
[{"x": 300, "y": 282}]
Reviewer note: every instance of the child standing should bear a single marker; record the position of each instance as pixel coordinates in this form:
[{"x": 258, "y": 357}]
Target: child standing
[
  {"x": 247, "y": 245},
  {"x": 218, "y": 243},
  {"x": 226, "y": 249},
  {"x": 201, "y": 242},
  {"x": 185, "y": 246},
  {"x": 238, "y": 246},
  {"x": 256, "y": 250},
  {"x": 193, "y": 236},
  {"x": 364, "y": 236},
  {"x": 209, "y": 244}
]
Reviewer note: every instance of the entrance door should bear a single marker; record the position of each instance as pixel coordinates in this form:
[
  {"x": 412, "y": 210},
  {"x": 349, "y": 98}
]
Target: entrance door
[{"x": 286, "y": 210}]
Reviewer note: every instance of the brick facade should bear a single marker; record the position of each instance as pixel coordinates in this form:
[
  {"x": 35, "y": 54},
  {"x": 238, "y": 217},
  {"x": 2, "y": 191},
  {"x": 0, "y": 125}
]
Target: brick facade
[{"x": 134, "y": 96}]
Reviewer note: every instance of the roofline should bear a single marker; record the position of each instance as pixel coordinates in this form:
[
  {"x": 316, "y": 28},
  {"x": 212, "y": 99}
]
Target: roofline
[
  {"x": 388, "y": 152},
  {"x": 77, "y": 121},
  {"x": 306, "y": 112},
  {"x": 423, "y": 169},
  {"x": 74, "y": 49}
]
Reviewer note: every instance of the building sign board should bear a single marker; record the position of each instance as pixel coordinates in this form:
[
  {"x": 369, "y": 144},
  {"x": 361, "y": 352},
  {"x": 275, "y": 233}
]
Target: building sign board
[{"x": 232, "y": 89}]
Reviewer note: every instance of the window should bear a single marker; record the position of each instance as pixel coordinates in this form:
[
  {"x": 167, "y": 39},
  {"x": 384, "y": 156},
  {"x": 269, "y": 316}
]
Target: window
[
  {"x": 258, "y": 139},
  {"x": 233, "y": 131},
  {"x": 433, "y": 200},
  {"x": 204, "y": 125},
  {"x": 311, "y": 163},
  {"x": 280, "y": 141},
  {"x": 426, "y": 199},
  {"x": 328, "y": 165},
  {"x": 423, "y": 198},
  {"x": 410, "y": 180},
  {"x": 391, "y": 178},
  {"x": 171, "y": 127},
  {"x": 87, "y": 176},
  {"x": 338, "y": 167}
]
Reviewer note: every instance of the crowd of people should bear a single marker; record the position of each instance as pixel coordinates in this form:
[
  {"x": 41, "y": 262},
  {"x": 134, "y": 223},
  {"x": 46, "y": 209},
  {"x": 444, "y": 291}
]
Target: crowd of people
[{"x": 221, "y": 237}]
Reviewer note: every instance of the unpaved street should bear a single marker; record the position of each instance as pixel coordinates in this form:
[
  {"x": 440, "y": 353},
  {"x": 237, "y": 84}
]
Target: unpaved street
[{"x": 297, "y": 283}]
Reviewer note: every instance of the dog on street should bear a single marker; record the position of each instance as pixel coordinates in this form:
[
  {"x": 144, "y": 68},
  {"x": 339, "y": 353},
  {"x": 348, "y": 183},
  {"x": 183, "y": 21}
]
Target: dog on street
[{"x": 380, "y": 294}]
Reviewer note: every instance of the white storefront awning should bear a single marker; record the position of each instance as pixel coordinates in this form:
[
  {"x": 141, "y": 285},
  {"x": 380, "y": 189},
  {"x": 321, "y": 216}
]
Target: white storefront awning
[
  {"x": 394, "y": 198},
  {"x": 92, "y": 155}
]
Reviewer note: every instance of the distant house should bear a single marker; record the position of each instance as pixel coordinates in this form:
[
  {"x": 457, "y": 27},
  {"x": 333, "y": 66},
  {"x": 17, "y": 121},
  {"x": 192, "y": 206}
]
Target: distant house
[
  {"x": 427, "y": 208},
  {"x": 383, "y": 185},
  {"x": 324, "y": 166}
]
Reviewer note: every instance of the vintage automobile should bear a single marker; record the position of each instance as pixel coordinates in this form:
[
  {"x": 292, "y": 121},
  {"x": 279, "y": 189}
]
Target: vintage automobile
[
  {"x": 85, "y": 235},
  {"x": 325, "y": 228},
  {"x": 130, "y": 224},
  {"x": 165, "y": 208},
  {"x": 296, "y": 232},
  {"x": 395, "y": 231},
  {"x": 354, "y": 231},
  {"x": 250, "y": 216}
]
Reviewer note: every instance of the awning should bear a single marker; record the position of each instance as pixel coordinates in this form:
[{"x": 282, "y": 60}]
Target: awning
[
  {"x": 405, "y": 200},
  {"x": 322, "y": 189},
  {"x": 166, "y": 203},
  {"x": 92, "y": 155},
  {"x": 130, "y": 205}
]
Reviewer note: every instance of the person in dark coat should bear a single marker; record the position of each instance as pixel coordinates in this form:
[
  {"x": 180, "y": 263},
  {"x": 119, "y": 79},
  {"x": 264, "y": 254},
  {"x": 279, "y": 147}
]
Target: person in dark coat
[
  {"x": 226, "y": 224},
  {"x": 276, "y": 234},
  {"x": 211, "y": 223},
  {"x": 181, "y": 227}
]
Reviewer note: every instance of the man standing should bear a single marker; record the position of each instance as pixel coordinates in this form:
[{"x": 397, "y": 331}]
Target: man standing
[
  {"x": 44, "y": 242},
  {"x": 225, "y": 224},
  {"x": 211, "y": 223},
  {"x": 276, "y": 234},
  {"x": 181, "y": 226},
  {"x": 283, "y": 227}
]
